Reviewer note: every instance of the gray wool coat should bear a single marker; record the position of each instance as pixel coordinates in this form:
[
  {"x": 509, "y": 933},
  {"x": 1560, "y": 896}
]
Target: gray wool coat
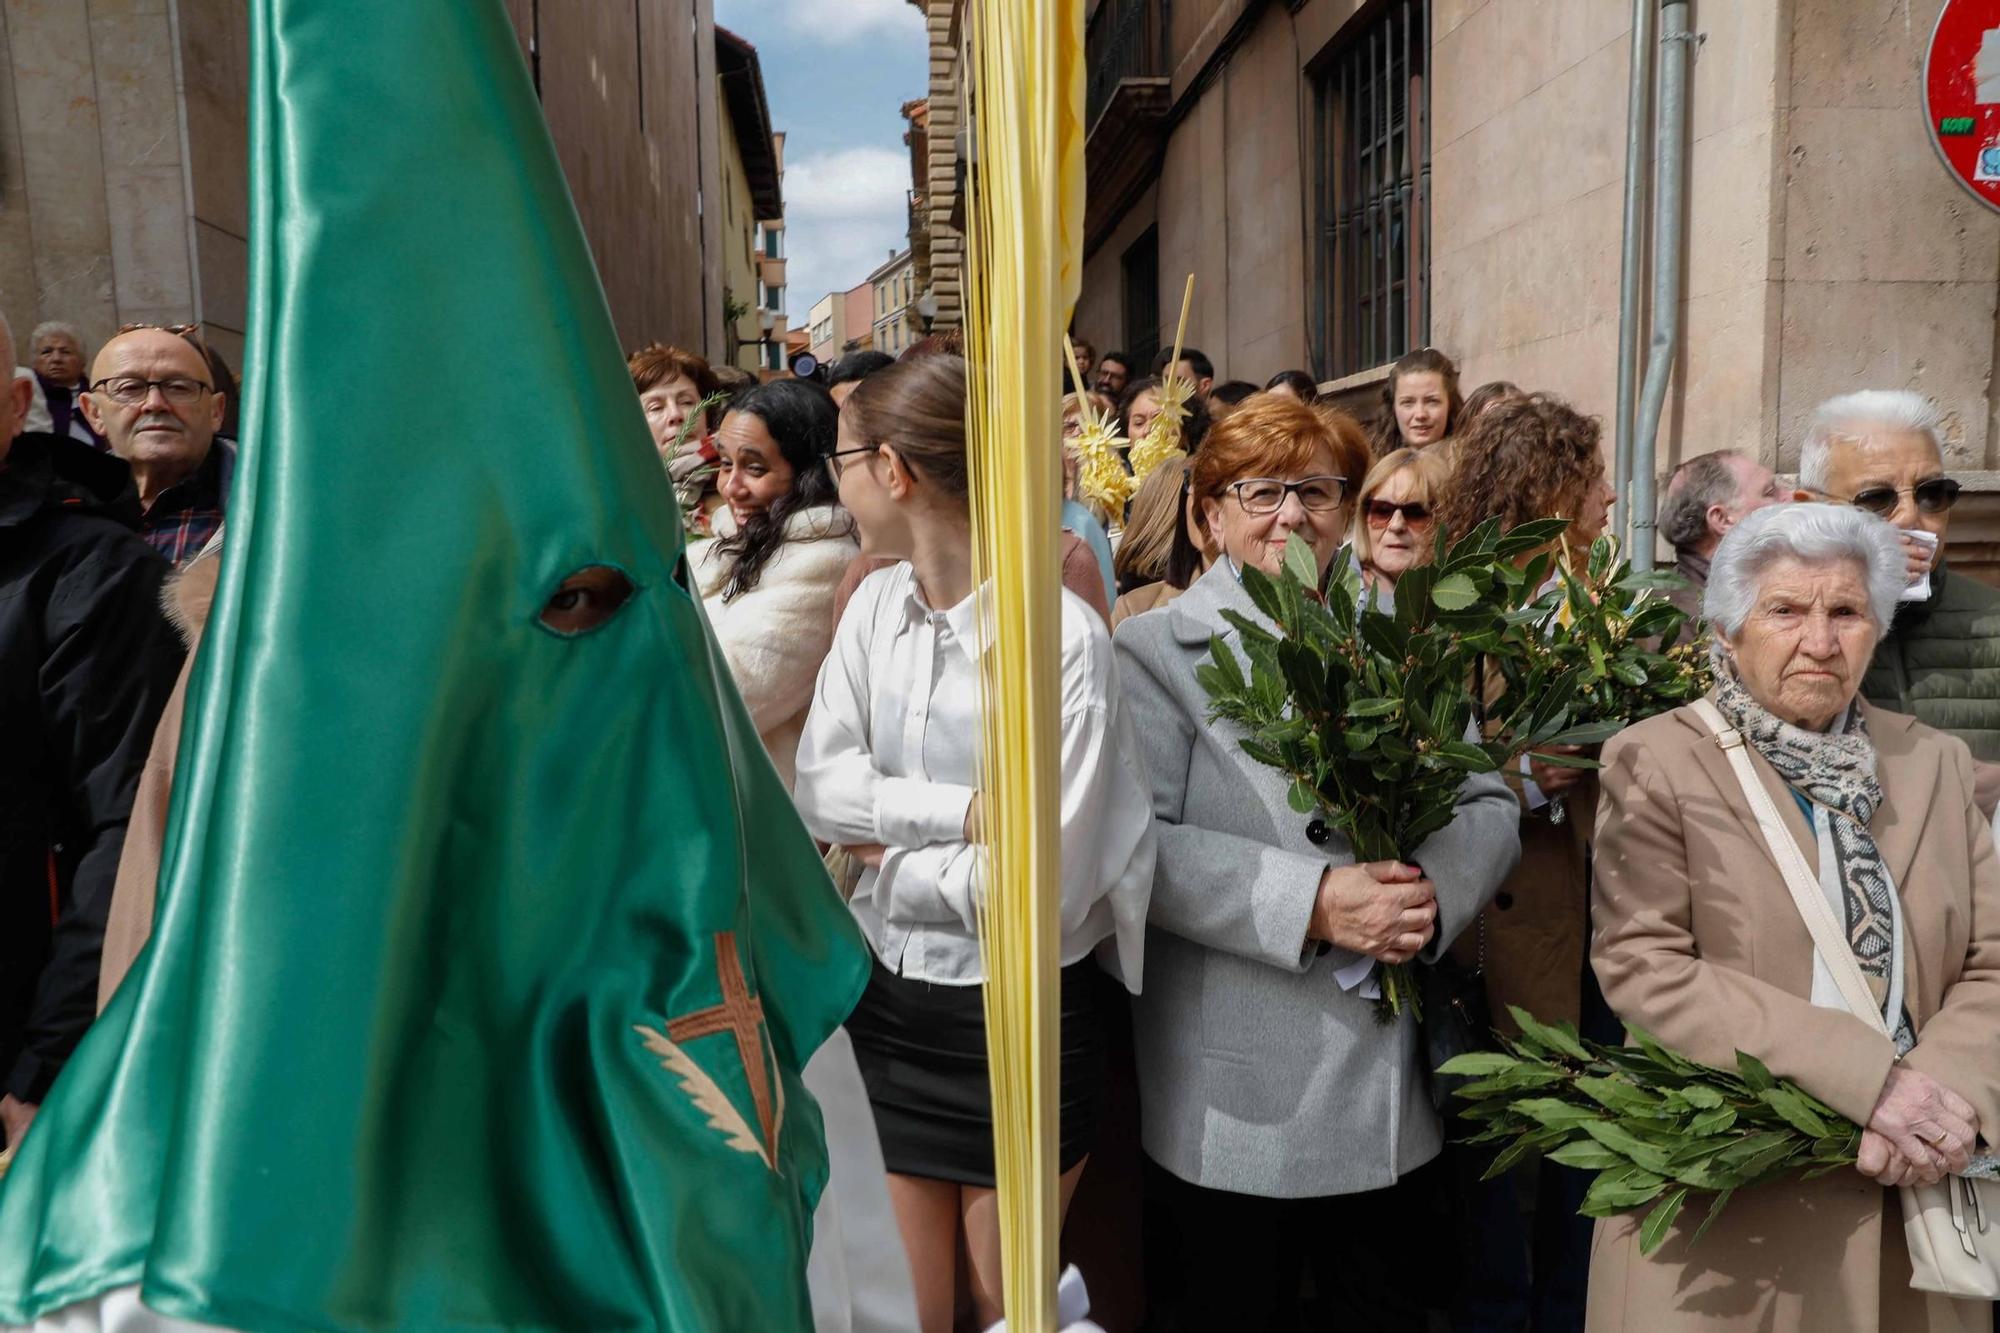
[{"x": 1258, "y": 1073}]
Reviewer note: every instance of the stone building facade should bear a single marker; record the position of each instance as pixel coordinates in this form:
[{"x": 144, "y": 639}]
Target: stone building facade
[
  {"x": 124, "y": 141},
  {"x": 1825, "y": 250},
  {"x": 942, "y": 139}
]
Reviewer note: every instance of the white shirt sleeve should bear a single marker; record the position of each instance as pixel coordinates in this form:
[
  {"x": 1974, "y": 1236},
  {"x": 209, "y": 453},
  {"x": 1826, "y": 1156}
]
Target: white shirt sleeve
[{"x": 840, "y": 793}]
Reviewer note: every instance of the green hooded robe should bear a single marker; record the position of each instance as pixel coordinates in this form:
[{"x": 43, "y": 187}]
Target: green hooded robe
[{"x": 486, "y": 957}]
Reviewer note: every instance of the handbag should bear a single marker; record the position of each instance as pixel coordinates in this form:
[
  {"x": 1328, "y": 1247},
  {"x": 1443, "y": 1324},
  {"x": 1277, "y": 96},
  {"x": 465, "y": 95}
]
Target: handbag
[
  {"x": 1458, "y": 1019},
  {"x": 1952, "y": 1228}
]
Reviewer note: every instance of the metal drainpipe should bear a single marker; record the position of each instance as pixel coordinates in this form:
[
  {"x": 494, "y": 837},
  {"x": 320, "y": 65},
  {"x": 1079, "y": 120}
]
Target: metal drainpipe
[
  {"x": 1670, "y": 164},
  {"x": 1638, "y": 124}
]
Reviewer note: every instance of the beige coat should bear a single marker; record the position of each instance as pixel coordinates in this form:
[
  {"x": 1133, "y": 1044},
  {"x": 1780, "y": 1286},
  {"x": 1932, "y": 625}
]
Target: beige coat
[
  {"x": 1696, "y": 940},
  {"x": 188, "y": 595}
]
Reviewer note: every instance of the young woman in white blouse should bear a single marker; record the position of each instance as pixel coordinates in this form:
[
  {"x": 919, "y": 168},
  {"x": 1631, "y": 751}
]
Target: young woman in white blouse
[
  {"x": 782, "y": 544},
  {"x": 888, "y": 769}
]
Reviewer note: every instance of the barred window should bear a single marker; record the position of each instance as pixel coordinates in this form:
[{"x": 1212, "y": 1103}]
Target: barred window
[{"x": 1371, "y": 272}]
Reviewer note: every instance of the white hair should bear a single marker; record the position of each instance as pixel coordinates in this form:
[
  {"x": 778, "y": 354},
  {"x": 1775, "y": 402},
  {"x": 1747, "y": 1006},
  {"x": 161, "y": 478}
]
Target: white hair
[
  {"x": 1814, "y": 534},
  {"x": 1851, "y": 415},
  {"x": 48, "y": 326}
]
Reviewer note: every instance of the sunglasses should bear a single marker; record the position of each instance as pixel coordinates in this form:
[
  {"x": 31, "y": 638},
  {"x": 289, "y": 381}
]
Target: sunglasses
[
  {"x": 1381, "y": 513},
  {"x": 1932, "y": 497}
]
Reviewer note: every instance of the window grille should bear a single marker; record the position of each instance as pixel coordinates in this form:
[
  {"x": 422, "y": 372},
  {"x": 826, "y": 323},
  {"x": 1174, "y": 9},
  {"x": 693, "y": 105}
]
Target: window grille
[{"x": 1371, "y": 302}]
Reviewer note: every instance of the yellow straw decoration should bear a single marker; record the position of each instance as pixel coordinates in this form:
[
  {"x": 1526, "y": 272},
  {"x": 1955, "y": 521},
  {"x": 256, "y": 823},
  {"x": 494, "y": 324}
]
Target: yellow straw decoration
[
  {"x": 1025, "y": 257},
  {"x": 1101, "y": 475},
  {"x": 1163, "y": 442}
]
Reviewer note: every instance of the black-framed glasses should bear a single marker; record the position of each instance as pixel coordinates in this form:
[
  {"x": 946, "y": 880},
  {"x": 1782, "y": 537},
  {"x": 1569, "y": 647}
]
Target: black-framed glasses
[
  {"x": 834, "y": 467},
  {"x": 1266, "y": 495},
  {"x": 131, "y": 390},
  {"x": 1933, "y": 496},
  {"x": 1381, "y": 513}
]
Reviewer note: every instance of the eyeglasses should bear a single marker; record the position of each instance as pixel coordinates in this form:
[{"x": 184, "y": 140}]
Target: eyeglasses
[
  {"x": 1381, "y": 513},
  {"x": 178, "y": 330},
  {"x": 1933, "y": 496},
  {"x": 834, "y": 467},
  {"x": 130, "y": 390},
  {"x": 1266, "y": 495}
]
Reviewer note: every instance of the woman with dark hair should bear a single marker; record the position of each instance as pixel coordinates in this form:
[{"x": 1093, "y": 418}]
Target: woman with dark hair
[
  {"x": 1420, "y": 403},
  {"x": 888, "y": 768},
  {"x": 782, "y": 543},
  {"x": 1294, "y": 384},
  {"x": 1526, "y": 458}
]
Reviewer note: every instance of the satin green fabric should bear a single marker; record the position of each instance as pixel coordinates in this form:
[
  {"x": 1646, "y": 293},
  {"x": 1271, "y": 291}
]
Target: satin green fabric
[{"x": 429, "y": 864}]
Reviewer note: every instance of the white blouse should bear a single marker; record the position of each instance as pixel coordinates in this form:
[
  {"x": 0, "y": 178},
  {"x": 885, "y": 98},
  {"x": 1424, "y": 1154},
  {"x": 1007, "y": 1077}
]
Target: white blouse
[{"x": 890, "y": 756}]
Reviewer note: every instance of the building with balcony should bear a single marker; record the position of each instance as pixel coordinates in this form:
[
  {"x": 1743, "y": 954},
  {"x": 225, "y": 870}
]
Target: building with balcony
[
  {"x": 945, "y": 152},
  {"x": 1352, "y": 179},
  {"x": 753, "y": 208},
  {"x": 773, "y": 322},
  {"x": 124, "y": 144},
  {"x": 895, "y": 297}
]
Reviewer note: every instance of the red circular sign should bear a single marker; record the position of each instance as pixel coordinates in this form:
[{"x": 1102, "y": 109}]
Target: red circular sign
[{"x": 1962, "y": 95}]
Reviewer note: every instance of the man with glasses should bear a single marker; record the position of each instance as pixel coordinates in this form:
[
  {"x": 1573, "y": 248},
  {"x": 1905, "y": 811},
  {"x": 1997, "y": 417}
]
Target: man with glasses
[
  {"x": 87, "y": 659},
  {"x": 153, "y": 401},
  {"x": 1881, "y": 450}
]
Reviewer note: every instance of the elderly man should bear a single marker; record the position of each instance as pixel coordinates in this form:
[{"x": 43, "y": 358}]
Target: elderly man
[
  {"x": 1880, "y": 450},
  {"x": 86, "y": 663},
  {"x": 59, "y": 363},
  {"x": 1706, "y": 497},
  {"x": 153, "y": 399}
]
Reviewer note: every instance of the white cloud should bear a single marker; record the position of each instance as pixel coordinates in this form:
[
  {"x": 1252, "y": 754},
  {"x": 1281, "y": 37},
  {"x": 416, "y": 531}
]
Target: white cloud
[
  {"x": 844, "y": 23},
  {"x": 845, "y": 214}
]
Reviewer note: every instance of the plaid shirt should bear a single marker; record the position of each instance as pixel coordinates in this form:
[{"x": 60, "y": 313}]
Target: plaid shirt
[{"x": 189, "y": 512}]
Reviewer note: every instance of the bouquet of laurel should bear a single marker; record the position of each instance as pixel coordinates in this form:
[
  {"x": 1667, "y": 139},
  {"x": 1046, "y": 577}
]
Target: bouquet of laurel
[
  {"x": 1368, "y": 712},
  {"x": 1610, "y": 643},
  {"x": 690, "y": 473},
  {"x": 1655, "y": 1127}
]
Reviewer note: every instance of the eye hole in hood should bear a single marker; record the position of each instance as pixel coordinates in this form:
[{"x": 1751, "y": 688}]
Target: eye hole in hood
[{"x": 585, "y": 601}]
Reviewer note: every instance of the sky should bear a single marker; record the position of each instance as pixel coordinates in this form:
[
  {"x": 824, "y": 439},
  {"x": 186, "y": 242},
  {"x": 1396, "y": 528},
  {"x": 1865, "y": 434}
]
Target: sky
[{"x": 837, "y": 73}]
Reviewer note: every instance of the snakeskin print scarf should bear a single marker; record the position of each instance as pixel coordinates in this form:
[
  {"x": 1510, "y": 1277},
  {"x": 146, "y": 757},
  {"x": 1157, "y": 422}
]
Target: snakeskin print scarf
[{"x": 1835, "y": 771}]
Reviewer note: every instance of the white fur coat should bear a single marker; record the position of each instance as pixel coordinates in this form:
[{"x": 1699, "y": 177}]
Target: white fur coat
[{"x": 777, "y": 634}]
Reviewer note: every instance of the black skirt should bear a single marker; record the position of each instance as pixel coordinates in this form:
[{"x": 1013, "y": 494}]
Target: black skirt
[{"x": 922, "y": 1052}]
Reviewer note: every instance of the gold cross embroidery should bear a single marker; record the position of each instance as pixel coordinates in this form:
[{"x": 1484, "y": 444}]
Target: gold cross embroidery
[{"x": 742, "y": 1015}]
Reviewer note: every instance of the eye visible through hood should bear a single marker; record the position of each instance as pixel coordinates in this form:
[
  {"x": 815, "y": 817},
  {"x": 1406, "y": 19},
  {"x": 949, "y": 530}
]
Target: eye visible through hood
[{"x": 586, "y": 600}]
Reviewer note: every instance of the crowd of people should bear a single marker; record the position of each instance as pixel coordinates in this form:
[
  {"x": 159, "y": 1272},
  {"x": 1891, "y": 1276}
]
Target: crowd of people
[{"x": 1243, "y": 1144}]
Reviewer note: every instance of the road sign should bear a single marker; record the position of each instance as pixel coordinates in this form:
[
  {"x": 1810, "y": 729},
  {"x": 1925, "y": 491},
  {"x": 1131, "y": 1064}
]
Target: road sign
[{"x": 1962, "y": 95}]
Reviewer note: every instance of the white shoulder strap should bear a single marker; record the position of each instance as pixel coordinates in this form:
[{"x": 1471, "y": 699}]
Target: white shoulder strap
[{"x": 1812, "y": 905}]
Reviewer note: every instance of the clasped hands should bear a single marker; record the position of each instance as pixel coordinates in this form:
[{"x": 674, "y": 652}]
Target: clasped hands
[
  {"x": 1919, "y": 1132},
  {"x": 1384, "y": 909}
]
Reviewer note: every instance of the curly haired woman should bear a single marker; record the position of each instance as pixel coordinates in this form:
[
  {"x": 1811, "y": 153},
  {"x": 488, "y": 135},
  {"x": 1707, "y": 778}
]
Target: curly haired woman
[{"x": 1527, "y": 458}]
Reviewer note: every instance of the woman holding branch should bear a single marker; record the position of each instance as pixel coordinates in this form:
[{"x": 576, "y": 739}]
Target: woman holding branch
[
  {"x": 1283, "y": 1118},
  {"x": 1701, "y": 942}
]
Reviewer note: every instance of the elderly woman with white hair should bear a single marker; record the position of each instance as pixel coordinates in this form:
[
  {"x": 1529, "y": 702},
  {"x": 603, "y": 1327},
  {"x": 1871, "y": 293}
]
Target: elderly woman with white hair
[{"x": 1700, "y": 941}]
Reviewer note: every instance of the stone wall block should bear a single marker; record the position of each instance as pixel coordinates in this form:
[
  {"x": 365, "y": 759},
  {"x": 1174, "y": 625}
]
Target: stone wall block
[
  {"x": 1848, "y": 54},
  {"x": 1866, "y": 200},
  {"x": 1729, "y": 220},
  {"x": 1934, "y": 337},
  {"x": 149, "y": 241},
  {"x": 138, "y": 119}
]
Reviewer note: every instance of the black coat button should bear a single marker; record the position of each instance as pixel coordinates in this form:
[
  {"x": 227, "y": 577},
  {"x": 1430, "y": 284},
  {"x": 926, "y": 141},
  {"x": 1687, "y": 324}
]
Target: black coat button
[
  {"x": 1316, "y": 833},
  {"x": 1503, "y": 901}
]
